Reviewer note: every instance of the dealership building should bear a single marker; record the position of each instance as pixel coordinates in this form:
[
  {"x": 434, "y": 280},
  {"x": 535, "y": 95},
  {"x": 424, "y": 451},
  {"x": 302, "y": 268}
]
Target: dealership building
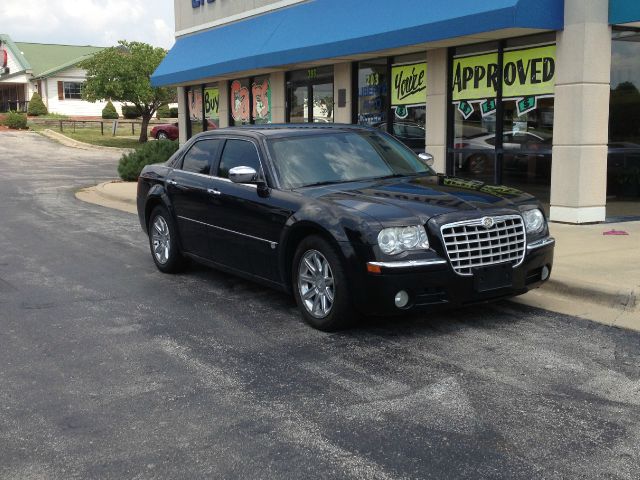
[{"x": 541, "y": 95}]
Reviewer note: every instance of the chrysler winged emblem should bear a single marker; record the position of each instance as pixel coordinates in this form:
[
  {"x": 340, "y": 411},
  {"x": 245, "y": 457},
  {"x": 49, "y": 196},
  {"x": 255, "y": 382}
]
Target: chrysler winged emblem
[{"x": 488, "y": 222}]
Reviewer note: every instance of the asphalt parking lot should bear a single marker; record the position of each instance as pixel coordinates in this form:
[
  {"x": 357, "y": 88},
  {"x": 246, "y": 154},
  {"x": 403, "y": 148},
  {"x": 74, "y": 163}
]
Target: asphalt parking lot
[{"x": 110, "y": 369}]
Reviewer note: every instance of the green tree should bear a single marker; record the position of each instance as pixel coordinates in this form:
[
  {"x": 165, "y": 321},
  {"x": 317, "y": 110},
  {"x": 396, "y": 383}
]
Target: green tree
[
  {"x": 36, "y": 106},
  {"x": 123, "y": 74}
]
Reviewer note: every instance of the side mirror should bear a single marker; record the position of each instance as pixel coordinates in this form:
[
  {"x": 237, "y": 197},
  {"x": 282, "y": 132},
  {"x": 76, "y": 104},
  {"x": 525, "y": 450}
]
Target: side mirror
[
  {"x": 426, "y": 158},
  {"x": 242, "y": 175}
]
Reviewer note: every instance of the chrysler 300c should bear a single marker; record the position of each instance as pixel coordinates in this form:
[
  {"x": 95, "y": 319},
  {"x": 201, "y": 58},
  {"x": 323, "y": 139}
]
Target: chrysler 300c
[{"x": 348, "y": 219}]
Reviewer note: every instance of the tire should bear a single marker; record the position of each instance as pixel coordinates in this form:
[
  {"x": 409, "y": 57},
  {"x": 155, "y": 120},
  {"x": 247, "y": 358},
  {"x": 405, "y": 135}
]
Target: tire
[
  {"x": 323, "y": 299},
  {"x": 162, "y": 135},
  {"x": 163, "y": 242},
  {"x": 477, "y": 164}
]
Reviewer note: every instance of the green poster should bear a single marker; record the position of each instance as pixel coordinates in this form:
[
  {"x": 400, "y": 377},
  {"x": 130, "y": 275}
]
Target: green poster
[
  {"x": 211, "y": 103},
  {"x": 526, "y": 72},
  {"x": 409, "y": 84}
]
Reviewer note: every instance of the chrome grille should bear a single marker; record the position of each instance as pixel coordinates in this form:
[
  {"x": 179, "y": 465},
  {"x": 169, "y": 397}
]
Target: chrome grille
[{"x": 470, "y": 244}]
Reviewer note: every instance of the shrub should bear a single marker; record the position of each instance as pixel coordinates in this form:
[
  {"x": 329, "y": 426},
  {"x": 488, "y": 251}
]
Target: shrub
[
  {"x": 163, "y": 112},
  {"x": 16, "y": 120},
  {"x": 173, "y": 112},
  {"x": 109, "y": 112},
  {"x": 131, "y": 164},
  {"x": 130, "y": 112},
  {"x": 37, "y": 106}
]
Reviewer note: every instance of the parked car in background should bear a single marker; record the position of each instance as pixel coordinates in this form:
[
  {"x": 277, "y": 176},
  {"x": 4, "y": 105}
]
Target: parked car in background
[
  {"x": 171, "y": 131},
  {"x": 413, "y": 135},
  {"x": 346, "y": 218}
]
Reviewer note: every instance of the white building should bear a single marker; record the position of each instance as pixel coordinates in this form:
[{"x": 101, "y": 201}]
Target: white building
[{"x": 48, "y": 69}]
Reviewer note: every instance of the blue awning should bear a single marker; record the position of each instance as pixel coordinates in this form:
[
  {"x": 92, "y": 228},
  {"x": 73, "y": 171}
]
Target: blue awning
[
  {"x": 624, "y": 11},
  {"x": 333, "y": 28}
]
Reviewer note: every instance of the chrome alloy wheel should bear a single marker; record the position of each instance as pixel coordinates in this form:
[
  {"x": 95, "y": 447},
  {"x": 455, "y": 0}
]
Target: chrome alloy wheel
[
  {"x": 315, "y": 284},
  {"x": 161, "y": 239}
]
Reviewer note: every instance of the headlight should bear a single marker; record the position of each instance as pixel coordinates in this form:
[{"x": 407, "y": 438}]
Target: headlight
[
  {"x": 534, "y": 220},
  {"x": 401, "y": 239}
]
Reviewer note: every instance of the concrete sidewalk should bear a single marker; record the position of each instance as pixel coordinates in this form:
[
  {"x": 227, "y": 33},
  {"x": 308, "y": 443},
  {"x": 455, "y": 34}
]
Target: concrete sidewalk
[{"x": 595, "y": 276}]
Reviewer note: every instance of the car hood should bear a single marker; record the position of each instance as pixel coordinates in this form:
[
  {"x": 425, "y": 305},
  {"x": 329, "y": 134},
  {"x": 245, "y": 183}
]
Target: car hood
[{"x": 400, "y": 201}]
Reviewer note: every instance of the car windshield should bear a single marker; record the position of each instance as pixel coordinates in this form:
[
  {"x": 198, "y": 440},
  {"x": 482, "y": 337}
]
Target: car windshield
[{"x": 338, "y": 157}]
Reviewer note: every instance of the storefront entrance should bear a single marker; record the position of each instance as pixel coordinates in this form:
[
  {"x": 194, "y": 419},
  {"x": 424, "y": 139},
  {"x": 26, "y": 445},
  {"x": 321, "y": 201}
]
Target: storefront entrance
[
  {"x": 12, "y": 97},
  {"x": 310, "y": 96}
]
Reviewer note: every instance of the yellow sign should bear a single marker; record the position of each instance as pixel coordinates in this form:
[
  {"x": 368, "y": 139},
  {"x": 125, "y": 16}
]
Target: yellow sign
[
  {"x": 529, "y": 72},
  {"x": 211, "y": 103},
  {"x": 526, "y": 72},
  {"x": 409, "y": 84}
]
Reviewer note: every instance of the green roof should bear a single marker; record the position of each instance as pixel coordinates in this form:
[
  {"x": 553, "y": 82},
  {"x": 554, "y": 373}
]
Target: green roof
[{"x": 47, "y": 59}]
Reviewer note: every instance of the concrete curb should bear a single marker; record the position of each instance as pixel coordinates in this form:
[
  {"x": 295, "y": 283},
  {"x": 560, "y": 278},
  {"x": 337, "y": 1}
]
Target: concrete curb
[
  {"x": 620, "y": 298},
  {"x": 70, "y": 142},
  {"x": 101, "y": 190},
  {"x": 98, "y": 195}
]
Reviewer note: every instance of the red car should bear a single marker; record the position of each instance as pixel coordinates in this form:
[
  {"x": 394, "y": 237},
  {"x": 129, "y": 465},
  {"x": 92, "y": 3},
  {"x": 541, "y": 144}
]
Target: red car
[{"x": 170, "y": 131}]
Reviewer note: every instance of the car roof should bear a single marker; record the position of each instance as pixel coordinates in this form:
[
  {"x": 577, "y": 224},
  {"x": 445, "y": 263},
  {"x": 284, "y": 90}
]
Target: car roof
[{"x": 287, "y": 129}]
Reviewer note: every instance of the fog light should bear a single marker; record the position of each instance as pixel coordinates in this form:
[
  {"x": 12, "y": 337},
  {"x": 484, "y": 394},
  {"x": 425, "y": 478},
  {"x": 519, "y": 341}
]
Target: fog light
[
  {"x": 402, "y": 299},
  {"x": 545, "y": 273}
]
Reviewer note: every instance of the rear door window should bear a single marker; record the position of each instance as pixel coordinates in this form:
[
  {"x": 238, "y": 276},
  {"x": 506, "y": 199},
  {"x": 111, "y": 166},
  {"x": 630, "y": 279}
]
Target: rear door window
[{"x": 201, "y": 156}]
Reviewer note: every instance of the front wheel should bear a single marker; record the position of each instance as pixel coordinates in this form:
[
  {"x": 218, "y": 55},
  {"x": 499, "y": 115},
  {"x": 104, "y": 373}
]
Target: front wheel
[
  {"x": 162, "y": 136},
  {"x": 320, "y": 286},
  {"x": 163, "y": 241}
]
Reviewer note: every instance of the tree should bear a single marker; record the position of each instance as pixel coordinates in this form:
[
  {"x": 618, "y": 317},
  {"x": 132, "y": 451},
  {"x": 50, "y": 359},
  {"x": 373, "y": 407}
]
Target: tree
[
  {"x": 36, "y": 106},
  {"x": 123, "y": 74}
]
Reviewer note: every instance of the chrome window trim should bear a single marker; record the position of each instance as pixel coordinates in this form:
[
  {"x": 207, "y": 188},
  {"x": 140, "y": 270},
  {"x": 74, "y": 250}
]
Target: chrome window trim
[
  {"x": 544, "y": 242},
  {"x": 273, "y": 244},
  {"x": 222, "y": 179},
  {"x": 409, "y": 263}
]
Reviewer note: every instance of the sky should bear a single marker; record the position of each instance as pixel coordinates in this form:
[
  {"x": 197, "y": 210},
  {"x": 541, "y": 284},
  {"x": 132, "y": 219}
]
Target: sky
[{"x": 88, "y": 22}]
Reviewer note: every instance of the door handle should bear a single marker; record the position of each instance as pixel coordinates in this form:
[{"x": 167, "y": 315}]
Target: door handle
[
  {"x": 172, "y": 182},
  {"x": 214, "y": 191}
]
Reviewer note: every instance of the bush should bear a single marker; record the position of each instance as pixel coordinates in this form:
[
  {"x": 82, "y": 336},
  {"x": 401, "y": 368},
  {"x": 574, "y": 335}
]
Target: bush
[
  {"x": 16, "y": 120},
  {"x": 130, "y": 112},
  {"x": 37, "y": 106},
  {"x": 173, "y": 112},
  {"x": 109, "y": 112},
  {"x": 163, "y": 112},
  {"x": 131, "y": 164}
]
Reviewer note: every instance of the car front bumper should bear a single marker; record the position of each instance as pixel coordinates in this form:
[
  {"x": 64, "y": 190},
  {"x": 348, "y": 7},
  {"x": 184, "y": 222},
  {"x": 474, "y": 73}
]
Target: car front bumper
[{"x": 433, "y": 283}]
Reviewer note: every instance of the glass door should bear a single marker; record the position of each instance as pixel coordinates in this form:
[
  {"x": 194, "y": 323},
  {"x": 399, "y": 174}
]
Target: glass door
[
  {"x": 322, "y": 98},
  {"x": 310, "y": 96}
]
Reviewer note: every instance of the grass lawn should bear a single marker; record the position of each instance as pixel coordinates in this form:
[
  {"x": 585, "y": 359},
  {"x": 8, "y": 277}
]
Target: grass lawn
[{"x": 91, "y": 133}]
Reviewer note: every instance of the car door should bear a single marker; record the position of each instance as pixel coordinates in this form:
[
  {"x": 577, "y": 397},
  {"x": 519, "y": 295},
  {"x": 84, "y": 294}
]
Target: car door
[
  {"x": 249, "y": 223},
  {"x": 190, "y": 192}
]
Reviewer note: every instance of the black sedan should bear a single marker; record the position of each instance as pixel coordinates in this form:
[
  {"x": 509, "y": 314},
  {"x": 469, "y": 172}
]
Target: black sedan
[{"x": 347, "y": 218}]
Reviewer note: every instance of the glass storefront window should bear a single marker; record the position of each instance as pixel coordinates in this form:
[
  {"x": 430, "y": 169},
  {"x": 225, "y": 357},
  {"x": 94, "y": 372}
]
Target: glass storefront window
[
  {"x": 195, "y": 104},
  {"x": 211, "y": 106},
  {"x": 240, "y": 102},
  {"x": 372, "y": 92},
  {"x": 623, "y": 166},
  {"x": 409, "y": 100},
  {"x": 261, "y": 97},
  {"x": 503, "y": 119}
]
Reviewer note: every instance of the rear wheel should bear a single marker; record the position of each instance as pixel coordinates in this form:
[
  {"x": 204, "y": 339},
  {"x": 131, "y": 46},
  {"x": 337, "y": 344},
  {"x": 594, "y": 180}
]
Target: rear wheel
[
  {"x": 320, "y": 286},
  {"x": 162, "y": 135},
  {"x": 163, "y": 242}
]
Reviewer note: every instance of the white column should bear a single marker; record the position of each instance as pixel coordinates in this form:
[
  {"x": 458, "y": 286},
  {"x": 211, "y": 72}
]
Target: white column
[
  {"x": 223, "y": 108},
  {"x": 581, "y": 121},
  {"x": 437, "y": 107},
  {"x": 342, "y": 80},
  {"x": 278, "y": 90},
  {"x": 183, "y": 116}
]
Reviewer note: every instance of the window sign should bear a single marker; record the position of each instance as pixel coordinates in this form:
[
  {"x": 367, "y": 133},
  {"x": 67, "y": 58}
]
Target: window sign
[
  {"x": 240, "y": 107},
  {"x": 195, "y": 103},
  {"x": 409, "y": 84},
  {"x": 527, "y": 73},
  {"x": 261, "y": 91},
  {"x": 211, "y": 103}
]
